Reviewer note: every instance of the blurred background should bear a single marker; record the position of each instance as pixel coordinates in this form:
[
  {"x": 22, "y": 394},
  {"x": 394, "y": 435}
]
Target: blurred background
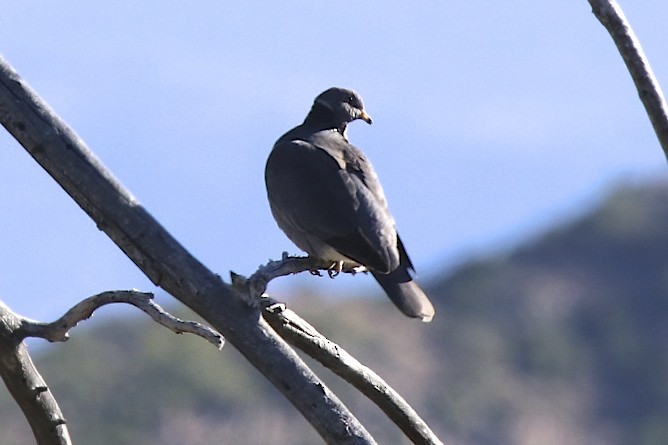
[{"x": 520, "y": 166}]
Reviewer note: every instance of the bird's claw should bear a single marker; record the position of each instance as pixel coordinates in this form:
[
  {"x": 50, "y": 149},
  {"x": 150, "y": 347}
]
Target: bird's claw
[{"x": 335, "y": 269}]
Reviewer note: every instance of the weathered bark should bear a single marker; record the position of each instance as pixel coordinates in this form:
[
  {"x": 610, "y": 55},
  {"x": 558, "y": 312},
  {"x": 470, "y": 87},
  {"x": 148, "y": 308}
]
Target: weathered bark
[
  {"x": 59, "y": 330},
  {"x": 24, "y": 381},
  {"x": 610, "y": 14},
  {"x": 299, "y": 333},
  {"x": 164, "y": 261},
  {"x": 27, "y": 386}
]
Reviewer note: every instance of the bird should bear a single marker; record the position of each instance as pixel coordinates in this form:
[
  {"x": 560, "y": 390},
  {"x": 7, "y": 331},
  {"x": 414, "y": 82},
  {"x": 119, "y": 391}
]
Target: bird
[{"x": 326, "y": 197}]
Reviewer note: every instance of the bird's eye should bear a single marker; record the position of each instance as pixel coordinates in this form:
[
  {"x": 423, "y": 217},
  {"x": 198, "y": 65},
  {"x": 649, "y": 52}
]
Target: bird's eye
[{"x": 351, "y": 99}]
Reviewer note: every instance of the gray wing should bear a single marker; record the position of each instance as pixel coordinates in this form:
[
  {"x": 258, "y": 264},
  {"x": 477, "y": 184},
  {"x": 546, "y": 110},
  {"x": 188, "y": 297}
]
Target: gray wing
[{"x": 333, "y": 194}]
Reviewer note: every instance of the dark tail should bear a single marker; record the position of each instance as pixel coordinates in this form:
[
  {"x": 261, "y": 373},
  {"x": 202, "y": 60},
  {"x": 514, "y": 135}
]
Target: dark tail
[{"x": 405, "y": 293}]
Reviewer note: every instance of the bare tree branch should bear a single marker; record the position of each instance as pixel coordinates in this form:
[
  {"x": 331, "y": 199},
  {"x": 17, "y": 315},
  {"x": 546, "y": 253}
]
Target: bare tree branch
[
  {"x": 164, "y": 261},
  {"x": 253, "y": 287},
  {"x": 24, "y": 381},
  {"x": 27, "y": 386},
  {"x": 611, "y": 16},
  {"x": 296, "y": 331},
  {"x": 301, "y": 334},
  {"x": 59, "y": 330}
]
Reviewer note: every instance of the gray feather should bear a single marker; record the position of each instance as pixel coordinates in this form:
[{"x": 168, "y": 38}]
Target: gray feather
[{"x": 325, "y": 195}]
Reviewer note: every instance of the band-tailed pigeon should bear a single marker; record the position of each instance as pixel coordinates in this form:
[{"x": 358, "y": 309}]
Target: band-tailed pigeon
[{"x": 325, "y": 196}]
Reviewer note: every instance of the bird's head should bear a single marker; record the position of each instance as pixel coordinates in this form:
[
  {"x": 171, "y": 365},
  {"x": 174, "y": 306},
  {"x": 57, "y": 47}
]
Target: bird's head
[{"x": 339, "y": 106}]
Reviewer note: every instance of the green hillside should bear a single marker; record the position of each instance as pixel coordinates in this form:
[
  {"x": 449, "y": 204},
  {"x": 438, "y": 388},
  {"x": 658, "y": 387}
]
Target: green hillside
[{"x": 563, "y": 340}]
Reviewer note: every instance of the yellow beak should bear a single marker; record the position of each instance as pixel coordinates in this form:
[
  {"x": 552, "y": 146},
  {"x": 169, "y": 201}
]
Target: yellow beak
[{"x": 365, "y": 117}]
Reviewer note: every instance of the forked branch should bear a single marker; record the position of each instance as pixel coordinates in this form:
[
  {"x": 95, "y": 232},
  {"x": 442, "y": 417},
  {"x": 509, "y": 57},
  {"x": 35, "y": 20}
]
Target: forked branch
[
  {"x": 165, "y": 261},
  {"x": 59, "y": 330},
  {"x": 299, "y": 333},
  {"x": 24, "y": 381},
  {"x": 27, "y": 386}
]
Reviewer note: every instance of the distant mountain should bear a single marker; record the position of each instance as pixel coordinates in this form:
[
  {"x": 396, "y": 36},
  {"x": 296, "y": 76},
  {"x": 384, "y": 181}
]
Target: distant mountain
[
  {"x": 575, "y": 326},
  {"x": 563, "y": 340}
]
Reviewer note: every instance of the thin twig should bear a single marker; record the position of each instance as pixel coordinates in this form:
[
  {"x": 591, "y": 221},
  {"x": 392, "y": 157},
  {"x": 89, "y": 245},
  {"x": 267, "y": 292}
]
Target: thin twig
[
  {"x": 254, "y": 286},
  {"x": 302, "y": 335},
  {"x": 611, "y": 16},
  {"x": 59, "y": 330}
]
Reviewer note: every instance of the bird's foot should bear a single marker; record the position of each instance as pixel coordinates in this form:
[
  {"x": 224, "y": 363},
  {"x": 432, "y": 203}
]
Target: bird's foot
[{"x": 335, "y": 269}]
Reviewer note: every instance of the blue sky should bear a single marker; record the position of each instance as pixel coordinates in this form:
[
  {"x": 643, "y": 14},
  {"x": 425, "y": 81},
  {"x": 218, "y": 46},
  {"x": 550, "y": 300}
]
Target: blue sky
[{"x": 491, "y": 121}]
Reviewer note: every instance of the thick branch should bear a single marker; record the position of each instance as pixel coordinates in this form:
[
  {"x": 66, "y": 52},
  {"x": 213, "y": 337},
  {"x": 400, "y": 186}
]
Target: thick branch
[
  {"x": 164, "y": 261},
  {"x": 27, "y": 386},
  {"x": 611, "y": 16},
  {"x": 59, "y": 329},
  {"x": 301, "y": 334}
]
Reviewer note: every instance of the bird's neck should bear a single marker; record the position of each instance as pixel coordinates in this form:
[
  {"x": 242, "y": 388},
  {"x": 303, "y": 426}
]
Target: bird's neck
[{"x": 322, "y": 118}]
